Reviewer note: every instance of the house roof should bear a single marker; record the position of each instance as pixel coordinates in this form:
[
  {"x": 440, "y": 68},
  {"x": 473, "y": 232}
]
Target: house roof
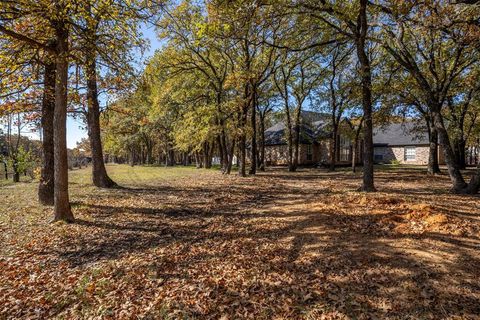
[
  {"x": 400, "y": 134},
  {"x": 276, "y": 134},
  {"x": 313, "y": 127},
  {"x": 394, "y": 134}
]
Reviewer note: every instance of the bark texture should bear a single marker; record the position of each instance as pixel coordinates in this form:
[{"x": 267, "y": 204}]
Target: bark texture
[
  {"x": 46, "y": 186},
  {"x": 62, "y": 210},
  {"x": 99, "y": 173},
  {"x": 366, "y": 76}
]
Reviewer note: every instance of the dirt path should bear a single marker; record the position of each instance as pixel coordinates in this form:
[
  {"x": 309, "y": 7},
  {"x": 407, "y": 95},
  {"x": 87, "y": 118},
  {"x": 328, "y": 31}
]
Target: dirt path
[{"x": 276, "y": 246}]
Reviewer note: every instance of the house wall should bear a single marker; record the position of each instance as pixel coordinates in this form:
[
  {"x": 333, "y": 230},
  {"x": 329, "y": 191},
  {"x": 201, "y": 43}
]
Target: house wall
[
  {"x": 398, "y": 153},
  {"x": 277, "y": 155}
]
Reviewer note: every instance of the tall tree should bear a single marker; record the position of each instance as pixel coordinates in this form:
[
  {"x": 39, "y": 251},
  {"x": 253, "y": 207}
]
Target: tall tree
[
  {"x": 351, "y": 21},
  {"x": 435, "y": 59}
]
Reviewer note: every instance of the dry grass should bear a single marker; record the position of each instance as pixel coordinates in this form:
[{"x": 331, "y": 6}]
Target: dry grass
[{"x": 186, "y": 243}]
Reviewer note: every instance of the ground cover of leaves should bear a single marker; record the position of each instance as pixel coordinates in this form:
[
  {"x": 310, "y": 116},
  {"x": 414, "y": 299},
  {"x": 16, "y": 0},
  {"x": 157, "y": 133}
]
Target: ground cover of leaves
[{"x": 184, "y": 243}]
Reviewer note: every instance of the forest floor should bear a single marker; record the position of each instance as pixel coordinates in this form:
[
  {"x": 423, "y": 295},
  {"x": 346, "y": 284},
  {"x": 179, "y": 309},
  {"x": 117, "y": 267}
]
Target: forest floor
[{"x": 193, "y": 244}]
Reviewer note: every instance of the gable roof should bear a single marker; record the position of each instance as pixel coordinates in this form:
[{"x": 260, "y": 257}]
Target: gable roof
[
  {"x": 312, "y": 128},
  {"x": 400, "y": 134},
  {"x": 276, "y": 135},
  {"x": 408, "y": 133}
]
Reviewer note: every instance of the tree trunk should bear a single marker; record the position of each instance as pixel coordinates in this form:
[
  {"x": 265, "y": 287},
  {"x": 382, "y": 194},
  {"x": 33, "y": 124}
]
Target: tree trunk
[
  {"x": 6, "y": 169},
  {"x": 474, "y": 184},
  {"x": 433, "y": 167},
  {"x": 242, "y": 143},
  {"x": 46, "y": 186},
  {"x": 206, "y": 154},
  {"x": 16, "y": 173},
  {"x": 290, "y": 140},
  {"x": 62, "y": 210},
  {"x": 262, "y": 143},
  {"x": 221, "y": 152},
  {"x": 354, "y": 157},
  {"x": 291, "y": 165},
  {"x": 226, "y": 156},
  {"x": 99, "y": 173},
  {"x": 459, "y": 151},
  {"x": 243, "y": 155},
  {"x": 171, "y": 157},
  {"x": 333, "y": 154},
  {"x": 230, "y": 157},
  {"x": 296, "y": 141},
  {"x": 198, "y": 163},
  {"x": 132, "y": 157},
  {"x": 253, "y": 119},
  {"x": 456, "y": 177},
  {"x": 368, "y": 178}
]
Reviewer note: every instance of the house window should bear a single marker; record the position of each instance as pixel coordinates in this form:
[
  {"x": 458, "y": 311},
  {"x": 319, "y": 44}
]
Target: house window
[
  {"x": 379, "y": 157},
  {"x": 309, "y": 152},
  {"x": 410, "y": 153}
]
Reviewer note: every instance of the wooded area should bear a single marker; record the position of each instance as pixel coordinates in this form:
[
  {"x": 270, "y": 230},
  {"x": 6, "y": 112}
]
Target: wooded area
[{"x": 279, "y": 112}]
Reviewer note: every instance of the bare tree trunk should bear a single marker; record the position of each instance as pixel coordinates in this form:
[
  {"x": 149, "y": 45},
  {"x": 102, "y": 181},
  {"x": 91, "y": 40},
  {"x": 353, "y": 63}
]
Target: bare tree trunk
[
  {"x": 99, "y": 173},
  {"x": 62, "y": 210},
  {"x": 253, "y": 119},
  {"x": 221, "y": 152},
  {"x": 226, "y": 156},
  {"x": 355, "y": 152},
  {"x": 205, "y": 154},
  {"x": 474, "y": 184},
  {"x": 262, "y": 144},
  {"x": 459, "y": 151},
  {"x": 333, "y": 155},
  {"x": 456, "y": 177},
  {"x": 290, "y": 140},
  {"x": 242, "y": 143},
  {"x": 354, "y": 157},
  {"x": 16, "y": 173},
  {"x": 198, "y": 162},
  {"x": 46, "y": 186},
  {"x": 243, "y": 156},
  {"x": 6, "y": 169},
  {"x": 230, "y": 157},
  {"x": 368, "y": 178},
  {"x": 433, "y": 167},
  {"x": 296, "y": 141}
]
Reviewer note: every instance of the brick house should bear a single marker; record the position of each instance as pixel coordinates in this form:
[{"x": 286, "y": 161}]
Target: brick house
[
  {"x": 311, "y": 148},
  {"x": 314, "y": 147},
  {"x": 402, "y": 142}
]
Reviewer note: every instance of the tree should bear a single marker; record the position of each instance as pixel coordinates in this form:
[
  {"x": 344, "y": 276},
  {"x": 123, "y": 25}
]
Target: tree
[
  {"x": 351, "y": 21},
  {"x": 21, "y": 67},
  {"x": 54, "y": 17},
  {"x": 435, "y": 60},
  {"x": 337, "y": 91}
]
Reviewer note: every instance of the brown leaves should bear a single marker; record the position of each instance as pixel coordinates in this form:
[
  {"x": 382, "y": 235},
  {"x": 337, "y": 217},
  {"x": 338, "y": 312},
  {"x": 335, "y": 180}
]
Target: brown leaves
[{"x": 269, "y": 247}]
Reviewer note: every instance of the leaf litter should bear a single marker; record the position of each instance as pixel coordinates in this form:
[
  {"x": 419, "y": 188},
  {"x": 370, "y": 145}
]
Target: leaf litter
[{"x": 302, "y": 246}]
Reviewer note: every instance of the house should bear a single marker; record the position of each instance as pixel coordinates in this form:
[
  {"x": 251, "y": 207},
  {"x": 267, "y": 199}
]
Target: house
[
  {"x": 312, "y": 148},
  {"x": 401, "y": 142}
]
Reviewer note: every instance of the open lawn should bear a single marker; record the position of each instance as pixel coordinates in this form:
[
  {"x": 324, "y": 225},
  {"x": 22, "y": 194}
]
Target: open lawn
[{"x": 187, "y": 243}]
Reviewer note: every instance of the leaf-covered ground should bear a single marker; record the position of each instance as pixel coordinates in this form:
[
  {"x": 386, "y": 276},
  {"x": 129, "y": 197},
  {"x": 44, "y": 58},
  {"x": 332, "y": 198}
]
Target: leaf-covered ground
[{"x": 186, "y": 243}]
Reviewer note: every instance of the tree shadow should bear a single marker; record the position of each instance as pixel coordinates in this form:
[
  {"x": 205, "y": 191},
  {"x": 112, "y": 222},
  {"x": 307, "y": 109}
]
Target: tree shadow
[{"x": 297, "y": 263}]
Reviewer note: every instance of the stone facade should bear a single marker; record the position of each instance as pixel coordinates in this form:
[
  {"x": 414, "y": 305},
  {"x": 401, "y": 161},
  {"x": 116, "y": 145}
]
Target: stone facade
[
  {"x": 308, "y": 154},
  {"x": 319, "y": 153},
  {"x": 398, "y": 153}
]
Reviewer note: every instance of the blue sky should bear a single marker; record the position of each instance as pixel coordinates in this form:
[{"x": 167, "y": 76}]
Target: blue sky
[{"x": 75, "y": 127}]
